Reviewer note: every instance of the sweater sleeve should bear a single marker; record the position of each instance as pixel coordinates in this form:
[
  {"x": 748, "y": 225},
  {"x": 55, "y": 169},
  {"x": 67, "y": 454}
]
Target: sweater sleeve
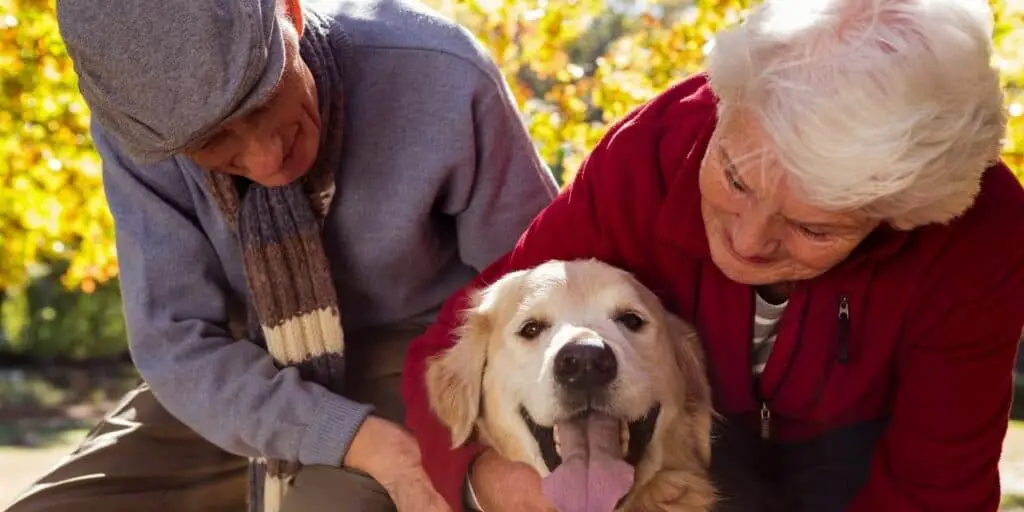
[
  {"x": 176, "y": 308},
  {"x": 954, "y": 387},
  {"x": 507, "y": 184}
]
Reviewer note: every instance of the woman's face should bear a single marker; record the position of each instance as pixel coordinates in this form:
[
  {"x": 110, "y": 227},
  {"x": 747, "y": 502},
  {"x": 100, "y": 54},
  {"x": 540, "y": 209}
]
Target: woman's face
[{"x": 759, "y": 231}]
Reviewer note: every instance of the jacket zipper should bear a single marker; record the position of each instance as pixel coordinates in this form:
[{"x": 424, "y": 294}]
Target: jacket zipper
[
  {"x": 766, "y": 413},
  {"x": 844, "y": 329},
  {"x": 842, "y": 345},
  {"x": 766, "y": 421},
  {"x": 843, "y": 315}
]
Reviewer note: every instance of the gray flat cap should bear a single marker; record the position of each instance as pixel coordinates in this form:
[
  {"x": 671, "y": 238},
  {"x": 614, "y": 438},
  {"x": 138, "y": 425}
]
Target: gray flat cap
[{"x": 159, "y": 74}]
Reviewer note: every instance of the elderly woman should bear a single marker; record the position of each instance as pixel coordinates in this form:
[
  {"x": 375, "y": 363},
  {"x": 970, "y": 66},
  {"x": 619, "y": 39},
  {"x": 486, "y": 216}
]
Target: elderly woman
[{"x": 826, "y": 205}]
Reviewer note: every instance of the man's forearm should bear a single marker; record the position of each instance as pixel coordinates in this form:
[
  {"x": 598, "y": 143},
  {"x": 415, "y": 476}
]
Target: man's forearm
[{"x": 235, "y": 397}]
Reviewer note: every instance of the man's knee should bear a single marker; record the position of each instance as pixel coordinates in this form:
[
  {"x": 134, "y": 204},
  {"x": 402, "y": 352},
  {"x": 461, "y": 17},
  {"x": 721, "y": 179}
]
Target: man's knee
[
  {"x": 329, "y": 488},
  {"x": 219, "y": 493},
  {"x": 139, "y": 454}
]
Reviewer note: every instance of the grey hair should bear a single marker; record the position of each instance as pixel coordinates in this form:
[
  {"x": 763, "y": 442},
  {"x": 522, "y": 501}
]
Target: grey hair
[{"x": 890, "y": 108}]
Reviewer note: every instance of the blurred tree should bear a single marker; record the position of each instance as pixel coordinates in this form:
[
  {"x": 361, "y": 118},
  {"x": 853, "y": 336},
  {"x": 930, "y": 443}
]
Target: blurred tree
[
  {"x": 1009, "y": 45},
  {"x": 51, "y": 201},
  {"x": 574, "y": 65},
  {"x": 45, "y": 319},
  {"x": 641, "y": 47}
]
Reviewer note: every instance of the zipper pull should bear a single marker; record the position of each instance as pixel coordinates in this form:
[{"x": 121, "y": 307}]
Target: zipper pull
[
  {"x": 766, "y": 421},
  {"x": 844, "y": 329}
]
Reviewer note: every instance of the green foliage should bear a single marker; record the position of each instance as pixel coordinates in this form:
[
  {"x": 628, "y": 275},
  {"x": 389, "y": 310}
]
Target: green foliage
[
  {"x": 574, "y": 66},
  {"x": 45, "y": 319}
]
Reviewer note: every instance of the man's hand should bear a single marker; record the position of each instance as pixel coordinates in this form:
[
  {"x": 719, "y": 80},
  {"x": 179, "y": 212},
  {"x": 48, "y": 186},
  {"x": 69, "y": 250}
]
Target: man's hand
[
  {"x": 389, "y": 454},
  {"x": 500, "y": 484},
  {"x": 413, "y": 492}
]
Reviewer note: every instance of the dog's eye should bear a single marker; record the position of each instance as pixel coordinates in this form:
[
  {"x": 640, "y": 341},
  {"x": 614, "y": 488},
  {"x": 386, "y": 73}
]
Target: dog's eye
[
  {"x": 631, "y": 320},
  {"x": 531, "y": 329}
]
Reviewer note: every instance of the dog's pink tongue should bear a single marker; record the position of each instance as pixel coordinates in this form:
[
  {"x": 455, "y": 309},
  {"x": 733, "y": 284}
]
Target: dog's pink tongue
[{"x": 592, "y": 477}]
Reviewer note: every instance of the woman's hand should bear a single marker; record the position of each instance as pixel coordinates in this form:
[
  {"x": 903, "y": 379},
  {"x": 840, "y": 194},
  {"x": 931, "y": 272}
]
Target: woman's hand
[
  {"x": 389, "y": 454},
  {"x": 500, "y": 485}
]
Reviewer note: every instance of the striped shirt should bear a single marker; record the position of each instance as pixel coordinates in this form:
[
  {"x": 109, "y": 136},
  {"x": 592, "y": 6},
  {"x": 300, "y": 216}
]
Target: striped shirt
[{"x": 766, "y": 320}]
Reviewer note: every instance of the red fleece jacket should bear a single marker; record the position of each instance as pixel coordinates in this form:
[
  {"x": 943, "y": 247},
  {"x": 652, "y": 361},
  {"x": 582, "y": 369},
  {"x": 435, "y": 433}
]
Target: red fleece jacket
[{"x": 930, "y": 341}]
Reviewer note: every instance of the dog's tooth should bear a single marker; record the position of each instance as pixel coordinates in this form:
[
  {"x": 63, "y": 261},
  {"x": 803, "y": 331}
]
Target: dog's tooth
[
  {"x": 624, "y": 435},
  {"x": 558, "y": 442}
]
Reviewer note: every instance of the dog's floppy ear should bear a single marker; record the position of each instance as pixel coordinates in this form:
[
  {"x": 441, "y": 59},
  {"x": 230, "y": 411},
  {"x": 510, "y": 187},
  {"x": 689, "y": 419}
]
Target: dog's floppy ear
[
  {"x": 455, "y": 378},
  {"x": 690, "y": 357}
]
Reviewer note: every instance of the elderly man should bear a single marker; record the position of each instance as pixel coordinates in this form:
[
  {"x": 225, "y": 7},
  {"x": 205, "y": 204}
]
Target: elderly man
[{"x": 296, "y": 190}]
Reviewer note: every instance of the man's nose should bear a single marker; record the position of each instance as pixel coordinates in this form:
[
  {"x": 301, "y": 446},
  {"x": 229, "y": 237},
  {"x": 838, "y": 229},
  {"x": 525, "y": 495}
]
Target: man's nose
[{"x": 261, "y": 152}]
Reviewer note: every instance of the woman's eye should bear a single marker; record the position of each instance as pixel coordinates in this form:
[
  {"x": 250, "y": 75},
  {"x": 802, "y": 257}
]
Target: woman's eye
[
  {"x": 531, "y": 329},
  {"x": 810, "y": 233},
  {"x": 631, "y": 320},
  {"x": 734, "y": 182}
]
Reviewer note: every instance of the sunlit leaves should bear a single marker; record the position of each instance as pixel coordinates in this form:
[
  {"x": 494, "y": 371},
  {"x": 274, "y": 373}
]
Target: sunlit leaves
[
  {"x": 51, "y": 201},
  {"x": 628, "y": 51},
  {"x": 573, "y": 65},
  {"x": 1009, "y": 44}
]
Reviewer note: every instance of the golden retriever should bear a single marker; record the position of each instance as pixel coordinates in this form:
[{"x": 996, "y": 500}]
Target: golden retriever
[{"x": 576, "y": 369}]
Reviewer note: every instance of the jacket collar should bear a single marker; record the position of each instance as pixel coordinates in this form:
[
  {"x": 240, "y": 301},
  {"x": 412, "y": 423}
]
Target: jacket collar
[{"x": 679, "y": 220}]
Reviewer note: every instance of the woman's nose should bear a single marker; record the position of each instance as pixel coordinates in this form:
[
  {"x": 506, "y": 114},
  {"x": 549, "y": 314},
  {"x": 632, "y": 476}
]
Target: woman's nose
[{"x": 752, "y": 237}]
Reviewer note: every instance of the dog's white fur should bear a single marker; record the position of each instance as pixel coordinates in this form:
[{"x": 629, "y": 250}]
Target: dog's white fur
[{"x": 479, "y": 385}]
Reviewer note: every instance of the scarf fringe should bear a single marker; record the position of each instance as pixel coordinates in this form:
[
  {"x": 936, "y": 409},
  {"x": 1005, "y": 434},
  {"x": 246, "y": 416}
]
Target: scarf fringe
[
  {"x": 267, "y": 488},
  {"x": 274, "y": 490}
]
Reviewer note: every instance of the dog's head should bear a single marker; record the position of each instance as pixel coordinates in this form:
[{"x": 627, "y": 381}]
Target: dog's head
[{"x": 567, "y": 339}]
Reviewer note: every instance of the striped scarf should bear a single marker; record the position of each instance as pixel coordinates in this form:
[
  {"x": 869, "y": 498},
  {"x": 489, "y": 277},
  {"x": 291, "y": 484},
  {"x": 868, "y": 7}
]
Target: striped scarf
[{"x": 286, "y": 269}]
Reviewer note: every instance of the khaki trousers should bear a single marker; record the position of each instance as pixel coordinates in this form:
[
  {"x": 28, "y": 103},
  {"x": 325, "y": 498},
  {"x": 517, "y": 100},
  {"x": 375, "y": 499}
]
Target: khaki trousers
[{"x": 139, "y": 457}]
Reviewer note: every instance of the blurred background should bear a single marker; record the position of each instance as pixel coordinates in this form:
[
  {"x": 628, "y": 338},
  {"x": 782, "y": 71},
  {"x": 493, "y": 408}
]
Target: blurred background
[{"x": 574, "y": 65}]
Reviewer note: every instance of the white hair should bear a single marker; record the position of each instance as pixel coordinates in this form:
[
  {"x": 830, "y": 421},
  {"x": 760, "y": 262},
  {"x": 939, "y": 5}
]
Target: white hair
[{"x": 891, "y": 108}]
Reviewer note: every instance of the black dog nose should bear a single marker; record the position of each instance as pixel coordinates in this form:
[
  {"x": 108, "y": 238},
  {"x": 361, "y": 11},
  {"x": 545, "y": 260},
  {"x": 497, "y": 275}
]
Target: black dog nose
[{"x": 585, "y": 365}]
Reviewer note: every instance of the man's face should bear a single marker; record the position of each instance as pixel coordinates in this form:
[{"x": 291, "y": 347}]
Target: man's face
[{"x": 276, "y": 143}]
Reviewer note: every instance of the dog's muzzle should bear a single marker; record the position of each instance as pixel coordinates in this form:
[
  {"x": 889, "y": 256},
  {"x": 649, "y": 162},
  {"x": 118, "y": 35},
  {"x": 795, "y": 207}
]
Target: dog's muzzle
[
  {"x": 585, "y": 371},
  {"x": 635, "y": 437}
]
